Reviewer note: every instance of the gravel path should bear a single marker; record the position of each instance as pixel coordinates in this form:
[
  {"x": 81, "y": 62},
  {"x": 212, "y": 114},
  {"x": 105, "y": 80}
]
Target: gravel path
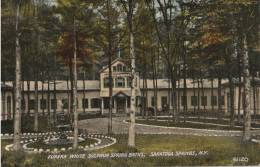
[{"x": 99, "y": 125}]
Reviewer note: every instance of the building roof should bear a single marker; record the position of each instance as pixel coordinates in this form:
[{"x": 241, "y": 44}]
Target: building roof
[
  {"x": 62, "y": 85},
  {"x": 6, "y": 87},
  {"x": 255, "y": 82},
  {"x": 113, "y": 62},
  {"x": 164, "y": 83},
  {"x": 116, "y": 92},
  {"x": 95, "y": 85}
]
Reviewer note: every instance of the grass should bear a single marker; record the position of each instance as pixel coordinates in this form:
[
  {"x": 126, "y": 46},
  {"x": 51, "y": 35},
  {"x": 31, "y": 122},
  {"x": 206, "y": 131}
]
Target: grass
[
  {"x": 220, "y": 152},
  {"x": 40, "y": 144},
  {"x": 185, "y": 125},
  {"x": 214, "y": 121},
  {"x": 7, "y": 126}
]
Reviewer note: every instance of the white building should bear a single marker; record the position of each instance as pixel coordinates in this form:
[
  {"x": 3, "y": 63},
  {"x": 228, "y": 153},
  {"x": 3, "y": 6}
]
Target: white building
[{"x": 96, "y": 95}]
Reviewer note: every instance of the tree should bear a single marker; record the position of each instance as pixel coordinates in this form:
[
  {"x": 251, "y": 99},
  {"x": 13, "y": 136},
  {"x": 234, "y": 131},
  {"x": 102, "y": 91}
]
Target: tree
[
  {"x": 17, "y": 118},
  {"x": 75, "y": 139},
  {"x": 129, "y": 9}
]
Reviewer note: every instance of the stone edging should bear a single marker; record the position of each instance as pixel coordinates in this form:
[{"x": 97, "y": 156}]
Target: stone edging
[
  {"x": 86, "y": 148},
  {"x": 205, "y": 123},
  {"x": 166, "y": 127}
]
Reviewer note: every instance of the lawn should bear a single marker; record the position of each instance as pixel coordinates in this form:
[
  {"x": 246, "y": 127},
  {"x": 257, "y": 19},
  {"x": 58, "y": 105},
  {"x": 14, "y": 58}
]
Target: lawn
[
  {"x": 221, "y": 151},
  {"x": 186, "y": 125},
  {"x": 214, "y": 121}
]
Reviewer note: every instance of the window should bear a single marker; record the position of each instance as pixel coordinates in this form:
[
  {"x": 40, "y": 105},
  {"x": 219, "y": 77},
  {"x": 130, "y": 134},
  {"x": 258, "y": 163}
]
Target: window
[
  {"x": 95, "y": 103},
  {"x": 106, "y": 82},
  {"x": 164, "y": 101},
  {"x": 65, "y": 103},
  {"x": 119, "y": 67},
  {"x": 124, "y": 69},
  {"x": 114, "y": 68},
  {"x": 84, "y": 103},
  {"x": 153, "y": 101},
  {"x": 213, "y": 100},
  {"x": 53, "y": 104},
  {"x": 222, "y": 100},
  {"x": 106, "y": 102},
  {"x": 9, "y": 104},
  {"x": 143, "y": 101},
  {"x": 203, "y": 100},
  {"x": 31, "y": 104},
  {"x": 23, "y": 104},
  {"x": 128, "y": 82},
  {"x": 120, "y": 82},
  {"x": 43, "y": 104},
  {"x": 183, "y": 100},
  {"x": 194, "y": 101}
]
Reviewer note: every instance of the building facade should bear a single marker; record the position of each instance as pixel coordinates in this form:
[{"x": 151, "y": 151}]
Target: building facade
[{"x": 97, "y": 91}]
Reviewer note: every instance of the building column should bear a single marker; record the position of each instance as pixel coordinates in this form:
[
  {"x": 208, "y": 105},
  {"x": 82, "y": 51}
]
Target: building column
[
  {"x": 3, "y": 106},
  {"x": 125, "y": 104},
  {"x": 102, "y": 106}
]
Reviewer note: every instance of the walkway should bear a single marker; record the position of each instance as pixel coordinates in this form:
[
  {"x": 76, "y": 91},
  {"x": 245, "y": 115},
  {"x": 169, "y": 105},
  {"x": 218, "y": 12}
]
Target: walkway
[{"x": 99, "y": 126}]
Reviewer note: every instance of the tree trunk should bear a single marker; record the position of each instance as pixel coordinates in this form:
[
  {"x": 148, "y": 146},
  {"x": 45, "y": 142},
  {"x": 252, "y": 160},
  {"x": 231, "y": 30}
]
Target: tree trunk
[
  {"x": 54, "y": 91},
  {"x": 14, "y": 101},
  {"x": 198, "y": 98},
  {"x": 154, "y": 89},
  {"x": 84, "y": 73},
  {"x": 75, "y": 139},
  {"x": 110, "y": 69},
  {"x": 254, "y": 94},
  {"x": 169, "y": 95},
  {"x": 239, "y": 88},
  {"x": 48, "y": 97},
  {"x": 28, "y": 95},
  {"x": 17, "y": 118},
  {"x": 212, "y": 94},
  {"x": 146, "y": 96},
  {"x": 185, "y": 89},
  {"x": 143, "y": 92},
  {"x": 194, "y": 94},
  {"x": 36, "y": 85},
  {"x": 247, "y": 87},
  {"x": 71, "y": 93},
  {"x": 219, "y": 98},
  {"x": 131, "y": 135},
  {"x": 174, "y": 96},
  {"x": 23, "y": 108},
  {"x": 231, "y": 89},
  {"x": 42, "y": 96},
  {"x": 203, "y": 94},
  {"x": 68, "y": 98}
]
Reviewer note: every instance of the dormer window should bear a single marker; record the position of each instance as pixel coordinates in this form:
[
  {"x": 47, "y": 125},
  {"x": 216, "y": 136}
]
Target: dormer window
[{"x": 119, "y": 67}]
